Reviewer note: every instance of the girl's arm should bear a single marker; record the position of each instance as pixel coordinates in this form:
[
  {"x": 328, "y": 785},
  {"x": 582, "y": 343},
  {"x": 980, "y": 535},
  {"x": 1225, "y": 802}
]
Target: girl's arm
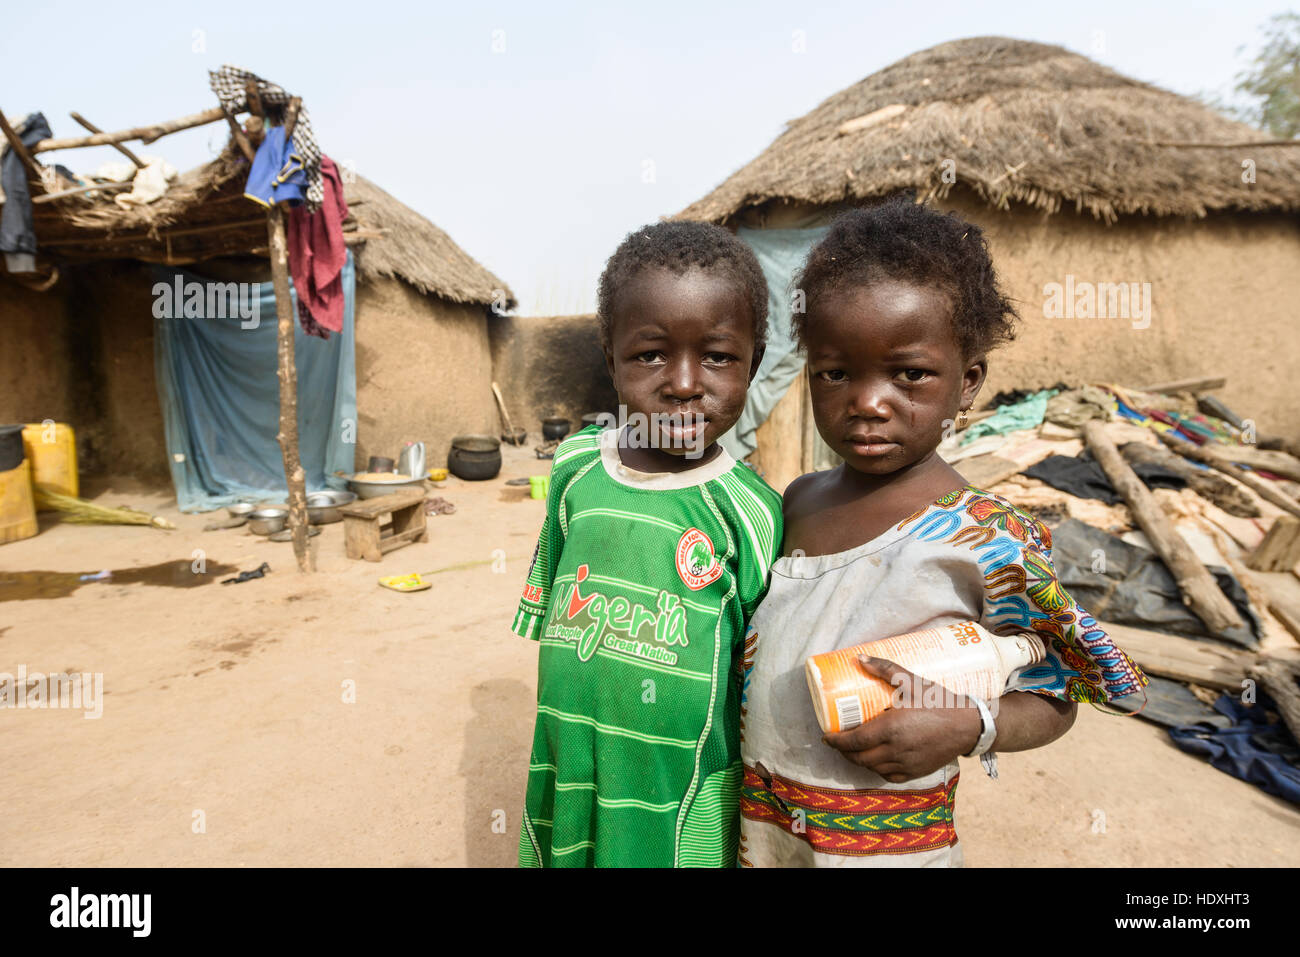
[{"x": 912, "y": 741}]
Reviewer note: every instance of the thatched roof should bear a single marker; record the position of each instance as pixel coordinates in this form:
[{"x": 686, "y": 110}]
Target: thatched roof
[
  {"x": 1021, "y": 121},
  {"x": 204, "y": 214}
]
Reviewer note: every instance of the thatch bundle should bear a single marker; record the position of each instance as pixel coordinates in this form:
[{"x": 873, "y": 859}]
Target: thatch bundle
[
  {"x": 204, "y": 214},
  {"x": 1018, "y": 121}
]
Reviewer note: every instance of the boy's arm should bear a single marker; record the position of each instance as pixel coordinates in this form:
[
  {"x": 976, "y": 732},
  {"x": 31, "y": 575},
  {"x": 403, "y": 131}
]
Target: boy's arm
[
  {"x": 905, "y": 743},
  {"x": 530, "y": 616}
]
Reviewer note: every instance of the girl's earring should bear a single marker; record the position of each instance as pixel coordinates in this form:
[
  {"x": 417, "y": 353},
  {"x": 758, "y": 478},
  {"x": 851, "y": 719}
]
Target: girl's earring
[{"x": 961, "y": 418}]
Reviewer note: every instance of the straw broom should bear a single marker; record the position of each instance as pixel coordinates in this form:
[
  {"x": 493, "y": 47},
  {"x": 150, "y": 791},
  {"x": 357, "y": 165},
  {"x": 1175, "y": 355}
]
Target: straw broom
[{"x": 81, "y": 512}]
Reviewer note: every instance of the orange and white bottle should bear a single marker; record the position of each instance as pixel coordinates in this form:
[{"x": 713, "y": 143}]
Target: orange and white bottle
[{"x": 963, "y": 658}]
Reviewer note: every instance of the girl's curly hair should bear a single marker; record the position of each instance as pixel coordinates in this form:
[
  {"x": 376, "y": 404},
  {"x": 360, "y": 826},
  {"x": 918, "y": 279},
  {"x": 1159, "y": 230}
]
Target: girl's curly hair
[{"x": 900, "y": 239}]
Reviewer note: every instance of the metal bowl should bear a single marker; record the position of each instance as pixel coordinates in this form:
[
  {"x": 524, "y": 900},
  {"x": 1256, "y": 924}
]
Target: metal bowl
[
  {"x": 264, "y": 521},
  {"x": 240, "y": 509},
  {"x": 366, "y": 489},
  {"x": 323, "y": 507}
]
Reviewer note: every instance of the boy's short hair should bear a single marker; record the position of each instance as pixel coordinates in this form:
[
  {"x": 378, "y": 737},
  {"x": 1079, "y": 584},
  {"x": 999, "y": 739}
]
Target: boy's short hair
[
  {"x": 900, "y": 239},
  {"x": 679, "y": 246}
]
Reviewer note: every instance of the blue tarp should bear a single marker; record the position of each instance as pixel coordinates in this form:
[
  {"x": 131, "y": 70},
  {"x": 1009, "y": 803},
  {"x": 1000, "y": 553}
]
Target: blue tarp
[
  {"x": 220, "y": 395},
  {"x": 780, "y": 253},
  {"x": 1251, "y": 749}
]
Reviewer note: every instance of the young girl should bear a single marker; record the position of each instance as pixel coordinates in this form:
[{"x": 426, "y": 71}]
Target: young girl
[
  {"x": 902, "y": 307},
  {"x": 652, "y": 558}
]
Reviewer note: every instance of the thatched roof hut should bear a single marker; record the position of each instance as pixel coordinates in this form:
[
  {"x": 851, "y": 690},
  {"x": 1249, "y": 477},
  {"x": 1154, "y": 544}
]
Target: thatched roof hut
[
  {"x": 1020, "y": 122},
  {"x": 1073, "y": 171},
  {"x": 81, "y": 349},
  {"x": 204, "y": 214}
]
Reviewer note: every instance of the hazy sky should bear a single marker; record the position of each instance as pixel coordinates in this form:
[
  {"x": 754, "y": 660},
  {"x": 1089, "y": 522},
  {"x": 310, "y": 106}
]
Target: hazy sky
[{"x": 528, "y": 130}]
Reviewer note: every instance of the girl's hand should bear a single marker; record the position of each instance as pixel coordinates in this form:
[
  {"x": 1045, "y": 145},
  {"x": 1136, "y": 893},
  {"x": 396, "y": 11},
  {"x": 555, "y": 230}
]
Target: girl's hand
[{"x": 910, "y": 740}]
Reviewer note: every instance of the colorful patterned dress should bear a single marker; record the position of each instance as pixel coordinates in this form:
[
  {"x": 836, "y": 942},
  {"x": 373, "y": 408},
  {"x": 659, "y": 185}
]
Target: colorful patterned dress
[{"x": 969, "y": 556}]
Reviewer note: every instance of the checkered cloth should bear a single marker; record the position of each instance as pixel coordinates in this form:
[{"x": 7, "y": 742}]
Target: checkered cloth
[{"x": 228, "y": 84}]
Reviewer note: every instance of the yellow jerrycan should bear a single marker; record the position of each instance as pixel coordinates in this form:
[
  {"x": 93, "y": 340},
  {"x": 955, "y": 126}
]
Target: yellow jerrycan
[
  {"x": 17, "y": 510},
  {"x": 51, "y": 449}
]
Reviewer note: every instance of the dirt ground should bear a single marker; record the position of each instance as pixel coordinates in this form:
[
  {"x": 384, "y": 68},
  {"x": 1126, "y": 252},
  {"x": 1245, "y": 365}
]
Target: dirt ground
[{"x": 226, "y": 737}]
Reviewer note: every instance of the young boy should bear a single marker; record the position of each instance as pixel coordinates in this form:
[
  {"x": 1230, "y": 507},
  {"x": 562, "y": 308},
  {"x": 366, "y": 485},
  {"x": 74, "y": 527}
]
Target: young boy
[{"x": 653, "y": 555}]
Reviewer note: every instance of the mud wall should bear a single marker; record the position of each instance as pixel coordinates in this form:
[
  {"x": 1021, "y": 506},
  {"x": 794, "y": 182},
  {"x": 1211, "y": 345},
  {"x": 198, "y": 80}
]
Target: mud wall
[
  {"x": 424, "y": 371},
  {"x": 550, "y": 365},
  {"x": 82, "y": 353},
  {"x": 1223, "y": 292}
]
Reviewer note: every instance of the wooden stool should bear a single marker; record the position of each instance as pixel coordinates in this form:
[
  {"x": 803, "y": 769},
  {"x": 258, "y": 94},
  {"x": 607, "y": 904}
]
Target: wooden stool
[{"x": 363, "y": 536}]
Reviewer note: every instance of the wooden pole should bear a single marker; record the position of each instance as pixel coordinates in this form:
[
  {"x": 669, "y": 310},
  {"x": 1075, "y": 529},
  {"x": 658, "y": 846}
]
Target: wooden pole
[
  {"x": 1200, "y": 591},
  {"x": 145, "y": 134},
  {"x": 1197, "y": 386},
  {"x": 106, "y": 187},
  {"x": 1253, "y": 482},
  {"x": 1270, "y": 460},
  {"x": 16, "y": 144},
  {"x": 139, "y": 163},
  {"x": 240, "y": 137},
  {"x": 288, "y": 376}
]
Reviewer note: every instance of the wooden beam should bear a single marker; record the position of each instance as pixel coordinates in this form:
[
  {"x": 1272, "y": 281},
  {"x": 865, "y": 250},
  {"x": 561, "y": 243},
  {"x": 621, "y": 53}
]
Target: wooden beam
[
  {"x": 1187, "y": 385},
  {"x": 241, "y": 139},
  {"x": 1280, "y": 549},
  {"x": 1270, "y": 460},
  {"x": 291, "y": 116},
  {"x": 48, "y": 197},
  {"x": 145, "y": 134},
  {"x": 16, "y": 144},
  {"x": 139, "y": 163},
  {"x": 1200, "y": 591},
  {"x": 985, "y": 471},
  {"x": 1281, "y": 679},
  {"x": 288, "y": 376},
  {"x": 1260, "y": 486},
  {"x": 254, "y": 98},
  {"x": 1210, "y": 663},
  {"x": 149, "y": 237},
  {"x": 1243, "y": 144}
]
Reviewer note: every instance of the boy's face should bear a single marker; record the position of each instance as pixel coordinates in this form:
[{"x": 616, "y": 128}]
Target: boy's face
[
  {"x": 681, "y": 345},
  {"x": 886, "y": 374}
]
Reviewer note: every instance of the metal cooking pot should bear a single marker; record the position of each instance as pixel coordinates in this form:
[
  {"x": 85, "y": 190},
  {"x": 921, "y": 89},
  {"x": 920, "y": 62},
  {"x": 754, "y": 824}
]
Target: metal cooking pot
[
  {"x": 474, "y": 457},
  {"x": 555, "y": 427}
]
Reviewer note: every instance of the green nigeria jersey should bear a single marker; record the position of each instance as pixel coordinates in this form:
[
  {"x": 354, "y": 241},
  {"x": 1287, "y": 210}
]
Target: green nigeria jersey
[{"x": 639, "y": 593}]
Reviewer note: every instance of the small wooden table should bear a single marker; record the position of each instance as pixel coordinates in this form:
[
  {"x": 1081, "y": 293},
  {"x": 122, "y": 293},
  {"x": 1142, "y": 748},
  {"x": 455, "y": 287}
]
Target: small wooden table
[{"x": 363, "y": 535}]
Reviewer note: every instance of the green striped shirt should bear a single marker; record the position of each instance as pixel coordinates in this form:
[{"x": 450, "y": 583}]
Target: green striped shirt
[{"x": 639, "y": 594}]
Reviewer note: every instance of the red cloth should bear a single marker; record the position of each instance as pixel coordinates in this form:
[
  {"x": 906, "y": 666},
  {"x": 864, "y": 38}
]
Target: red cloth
[{"x": 317, "y": 255}]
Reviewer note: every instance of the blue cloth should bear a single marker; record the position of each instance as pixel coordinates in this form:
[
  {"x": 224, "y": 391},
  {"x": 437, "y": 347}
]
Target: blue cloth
[
  {"x": 277, "y": 174},
  {"x": 17, "y": 233},
  {"x": 1252, "y": 749},
  {"x": 1026, "y": 414},
  {"x": 220, "y": 395},
  {"x": 780, "y": 253}
]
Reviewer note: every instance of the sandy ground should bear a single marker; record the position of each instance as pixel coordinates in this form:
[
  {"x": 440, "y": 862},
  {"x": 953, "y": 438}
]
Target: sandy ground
[{"x": 226, "y": 738}]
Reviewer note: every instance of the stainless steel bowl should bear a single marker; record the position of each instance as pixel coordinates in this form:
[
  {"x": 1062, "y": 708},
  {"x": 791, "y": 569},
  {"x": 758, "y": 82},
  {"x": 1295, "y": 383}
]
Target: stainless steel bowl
[
  {"x": 366, "y": 489},
  {"x": 240, "y": 509},
  {"x": 264, "y": 521},
  {"x": 323, "y": 507}
]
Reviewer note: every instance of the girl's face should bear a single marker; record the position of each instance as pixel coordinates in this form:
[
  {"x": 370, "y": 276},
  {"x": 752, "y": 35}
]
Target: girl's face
[
  {"x": 682, "y": 345},
  {"x": 886, "y": 373}
]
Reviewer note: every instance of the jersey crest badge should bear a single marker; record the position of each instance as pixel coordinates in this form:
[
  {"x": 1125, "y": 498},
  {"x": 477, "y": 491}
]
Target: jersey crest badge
[{"x": 696, "y": 562}]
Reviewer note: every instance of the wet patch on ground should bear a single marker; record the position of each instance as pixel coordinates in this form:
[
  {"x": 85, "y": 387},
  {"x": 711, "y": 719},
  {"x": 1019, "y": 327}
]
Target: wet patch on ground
[{"x": 27, "y": 586}]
